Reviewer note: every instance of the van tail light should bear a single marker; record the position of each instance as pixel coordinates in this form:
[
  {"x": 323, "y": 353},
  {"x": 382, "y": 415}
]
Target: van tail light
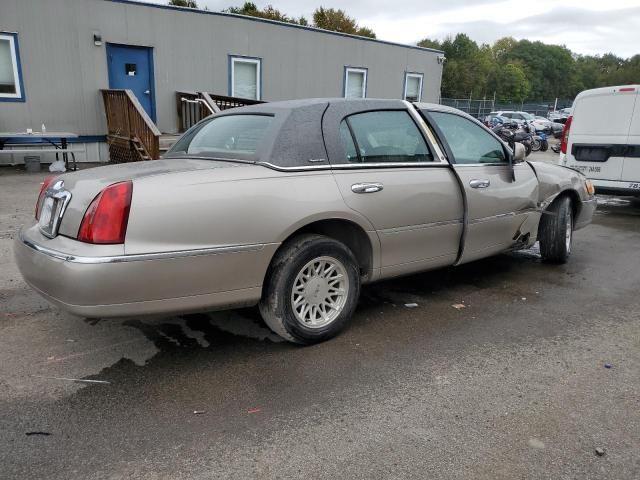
[
  {"x": 43, "y": 189},
  {"x": 105, "y": 221},
  {"x": 565, "y": 135}
]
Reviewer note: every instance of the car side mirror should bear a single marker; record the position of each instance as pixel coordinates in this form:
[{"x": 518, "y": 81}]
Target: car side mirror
[{"x": 519, "y": 153}]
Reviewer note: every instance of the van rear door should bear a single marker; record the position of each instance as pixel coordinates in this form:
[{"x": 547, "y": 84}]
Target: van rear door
[
  {"x": 599, "y": 132},
  {"x": 631, "y": 168}
]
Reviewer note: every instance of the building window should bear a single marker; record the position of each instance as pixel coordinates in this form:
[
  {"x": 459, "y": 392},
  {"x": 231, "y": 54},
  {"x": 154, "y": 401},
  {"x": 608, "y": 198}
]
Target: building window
[
  {"x": 245, "y": 77},
  {"x": 413, "y": 86},
  {"x": 11, "y": 88},
  {"x": 355, "y": 82}
]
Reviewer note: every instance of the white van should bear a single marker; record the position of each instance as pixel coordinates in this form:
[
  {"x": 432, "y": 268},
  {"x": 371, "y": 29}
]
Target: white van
[{"x": 602, "y": 138}]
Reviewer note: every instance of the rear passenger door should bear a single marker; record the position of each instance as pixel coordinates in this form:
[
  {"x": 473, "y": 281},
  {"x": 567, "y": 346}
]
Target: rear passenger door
[
  {"x": 501, "y": 200},
  {"x": 386, "y": 171}
]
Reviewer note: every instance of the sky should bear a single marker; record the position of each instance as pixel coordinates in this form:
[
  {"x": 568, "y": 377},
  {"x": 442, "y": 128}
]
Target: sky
[{"x": 584, "y": 26}]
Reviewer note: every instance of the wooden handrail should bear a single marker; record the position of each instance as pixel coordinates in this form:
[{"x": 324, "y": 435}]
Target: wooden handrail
[
  {"x": 127, "y": 119},
  {"x": 194, "y": 106}
]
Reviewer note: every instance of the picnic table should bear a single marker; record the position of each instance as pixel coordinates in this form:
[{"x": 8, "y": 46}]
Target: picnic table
[{"x": 58, "y": 140}]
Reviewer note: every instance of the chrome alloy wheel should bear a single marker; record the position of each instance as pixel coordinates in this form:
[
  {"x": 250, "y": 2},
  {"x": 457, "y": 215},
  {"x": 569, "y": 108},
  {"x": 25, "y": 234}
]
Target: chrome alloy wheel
[
  {"x": 320, "y": 292},
  {"x": 569, "y": 232}
]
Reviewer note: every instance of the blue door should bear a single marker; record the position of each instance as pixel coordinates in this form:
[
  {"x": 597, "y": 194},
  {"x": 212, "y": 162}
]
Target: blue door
[{"x": 132, "y": 68}]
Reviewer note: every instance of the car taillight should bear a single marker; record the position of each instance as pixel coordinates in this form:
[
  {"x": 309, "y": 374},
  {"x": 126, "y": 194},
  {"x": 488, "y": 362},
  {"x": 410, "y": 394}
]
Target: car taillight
[
  {"x": 105, "y": 221},
  {"x": 43, "y": 189},
  {"x": 565, "y": 135}
]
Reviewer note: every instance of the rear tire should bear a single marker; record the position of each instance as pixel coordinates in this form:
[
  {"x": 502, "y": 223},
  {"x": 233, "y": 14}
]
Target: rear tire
[
  {"x": 311, "y": 290},
  {"x": 556, "y": 231}
]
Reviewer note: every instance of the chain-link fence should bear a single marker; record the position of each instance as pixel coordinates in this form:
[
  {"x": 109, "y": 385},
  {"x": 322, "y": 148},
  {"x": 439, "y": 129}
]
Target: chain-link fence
[{"x": 480, "y": 108}]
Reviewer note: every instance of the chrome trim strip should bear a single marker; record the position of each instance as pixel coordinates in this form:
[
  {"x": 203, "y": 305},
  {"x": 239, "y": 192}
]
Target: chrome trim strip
[
  {"x": 502, "y": 215},
  {"x": 141, "y": 256},
  {"x": 390, "y": 231},
  {"x": 499, "y": 164},
  {"x": 354, "y": 166},
  {"x": 427, "y": 131},
  {"x": 58, "y": 193}
]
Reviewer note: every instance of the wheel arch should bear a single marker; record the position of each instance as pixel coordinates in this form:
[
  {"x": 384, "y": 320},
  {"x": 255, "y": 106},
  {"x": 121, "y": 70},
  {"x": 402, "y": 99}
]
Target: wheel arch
[
  {"x": 573, "y": 195},
  {"x": 364, "y": 245}
]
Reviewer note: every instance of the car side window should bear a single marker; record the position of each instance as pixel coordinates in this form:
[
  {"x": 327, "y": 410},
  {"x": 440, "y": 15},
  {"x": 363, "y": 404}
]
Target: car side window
[
  {"x": 347, "y": 142},
  {"x": 469, "y": 143},
  {"x": 383, "y": 137}
]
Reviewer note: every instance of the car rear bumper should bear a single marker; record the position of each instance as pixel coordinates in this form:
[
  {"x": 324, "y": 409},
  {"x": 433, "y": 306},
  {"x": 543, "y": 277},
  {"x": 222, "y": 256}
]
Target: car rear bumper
[
  {"x": 131, "y": 285},
  {"x": 616, "y": 187}
]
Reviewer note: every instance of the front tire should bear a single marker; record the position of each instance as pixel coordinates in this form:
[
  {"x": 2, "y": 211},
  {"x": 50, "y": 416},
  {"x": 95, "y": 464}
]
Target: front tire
[
  {"x": 536, "y": 144},
  {"x": 311, "y": 290},
  {"x": 556, "y": 231},
  {"x": 544, "y": 146}
]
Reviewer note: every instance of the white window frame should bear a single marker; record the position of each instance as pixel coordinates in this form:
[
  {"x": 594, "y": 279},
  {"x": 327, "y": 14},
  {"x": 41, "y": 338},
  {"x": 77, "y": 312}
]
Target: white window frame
[
  {"x": 348, "y": 70},
  {"x": 16, "y": 71},
  {"x": 240, "y": 59},
  {"x": 408, "y": 75}
]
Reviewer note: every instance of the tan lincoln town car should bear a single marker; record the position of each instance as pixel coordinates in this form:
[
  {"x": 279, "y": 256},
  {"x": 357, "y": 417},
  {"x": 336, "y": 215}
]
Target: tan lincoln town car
[{"x": 292, "y": 206}]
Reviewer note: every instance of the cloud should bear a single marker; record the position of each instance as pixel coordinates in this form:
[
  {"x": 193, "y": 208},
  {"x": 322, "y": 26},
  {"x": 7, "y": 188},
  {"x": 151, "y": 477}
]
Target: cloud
[
  {"x": 583, "y": 31},
  {"x": 584, "y": 26}
]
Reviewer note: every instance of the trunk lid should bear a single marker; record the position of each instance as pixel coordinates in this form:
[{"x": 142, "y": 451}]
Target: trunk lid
[{"x": 84, "y": 185}]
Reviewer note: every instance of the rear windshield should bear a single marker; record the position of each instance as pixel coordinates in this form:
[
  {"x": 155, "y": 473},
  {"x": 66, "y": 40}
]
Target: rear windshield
[{"x": 229, "y": 136}]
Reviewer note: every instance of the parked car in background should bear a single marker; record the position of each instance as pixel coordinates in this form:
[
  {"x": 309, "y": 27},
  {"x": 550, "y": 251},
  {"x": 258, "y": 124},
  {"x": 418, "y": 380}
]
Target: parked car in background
[
  {"x": 292, "y": 206},
  {"x": 517, "y": 117},
  {"x": 547, "y": 126},
  {"x": 560, "y": 116},
  {"x": 608, "y": 152}
]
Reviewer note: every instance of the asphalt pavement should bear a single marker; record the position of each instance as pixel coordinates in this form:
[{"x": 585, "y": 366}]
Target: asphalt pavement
[{"x": 535, "y": 368}]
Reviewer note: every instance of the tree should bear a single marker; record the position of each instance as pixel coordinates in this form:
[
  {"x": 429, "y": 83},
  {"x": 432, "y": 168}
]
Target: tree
[
  {"x": 429, "y": 43},
  {"x": 512, "y": 83},
  {"x": 184, "y": 3},
  {"x": 269, "y": 12},
  {"x": 337, "y": 20}
]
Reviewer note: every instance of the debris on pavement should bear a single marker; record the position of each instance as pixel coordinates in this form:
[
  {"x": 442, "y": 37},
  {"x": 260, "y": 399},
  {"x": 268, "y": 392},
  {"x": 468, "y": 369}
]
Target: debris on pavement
[
  {"x": 608, "y": 365},
  {"x": 600, "y": 451},
  {"x": 535, "y": 443},
  {"x": 45, "y": 434},
  {"x": 411, "y": 305},
  {"x": 198, "y": 412},
  {"x": 459, "y": 306},
  {"x": 253, "y": 410},
  {"x": 78, "y": 380}
]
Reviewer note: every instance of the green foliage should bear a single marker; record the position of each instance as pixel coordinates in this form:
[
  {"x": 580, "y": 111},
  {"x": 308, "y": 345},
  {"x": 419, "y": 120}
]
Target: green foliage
[
  {"x": 184, "y": 3},
  {"x": 328, "y": 18},
  {"x": 519, "y": 70},
  {"x": 337, "y": 20},
  {"x": 512, "y": 83},
  {"x": 269, "y": 12}
]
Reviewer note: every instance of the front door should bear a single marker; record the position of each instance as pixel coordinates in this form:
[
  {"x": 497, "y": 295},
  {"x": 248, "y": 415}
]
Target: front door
[
  {"x": 132, "y": 68},
  {"x": 501, "y": 200}
]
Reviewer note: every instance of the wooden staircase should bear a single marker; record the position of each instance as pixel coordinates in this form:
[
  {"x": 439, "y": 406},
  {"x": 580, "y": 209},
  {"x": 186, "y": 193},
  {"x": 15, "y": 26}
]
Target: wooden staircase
[{"x": 131, "y": 134}]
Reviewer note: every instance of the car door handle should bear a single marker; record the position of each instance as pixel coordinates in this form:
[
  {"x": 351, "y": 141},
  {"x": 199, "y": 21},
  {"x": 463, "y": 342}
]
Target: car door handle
[
  {"x": 479, "y": 183},
  {"x": 366, "y": 187}
]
